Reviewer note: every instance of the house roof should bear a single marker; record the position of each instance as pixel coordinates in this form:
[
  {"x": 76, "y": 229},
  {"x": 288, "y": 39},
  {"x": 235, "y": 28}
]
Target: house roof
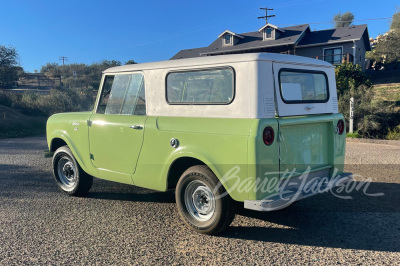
[
  {"x": 300, "y": 35},
  {"x": 271, "y": 26},
  {"x": 330, "y": 36},
  {"x": 231, "y": 33},
  {"x": 251, "y": 41}
]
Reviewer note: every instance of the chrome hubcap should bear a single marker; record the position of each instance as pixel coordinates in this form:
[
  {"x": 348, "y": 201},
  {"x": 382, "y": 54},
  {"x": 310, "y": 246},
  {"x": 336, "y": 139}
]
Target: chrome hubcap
[
  {"x": 199, "y": 201},
  {"x": 66, "y": 173}
]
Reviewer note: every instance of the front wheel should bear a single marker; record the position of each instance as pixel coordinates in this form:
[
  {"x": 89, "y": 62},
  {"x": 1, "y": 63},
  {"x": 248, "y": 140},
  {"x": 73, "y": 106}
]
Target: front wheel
[
  {"x": 69, "y": 176},
  {"x": 202, "y": 202}
]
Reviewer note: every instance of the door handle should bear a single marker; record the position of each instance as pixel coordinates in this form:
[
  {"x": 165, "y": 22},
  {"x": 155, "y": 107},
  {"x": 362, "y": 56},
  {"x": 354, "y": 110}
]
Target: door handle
[
  {"x": 309, "y": 107},
  {"x": 135, "y": 127}
]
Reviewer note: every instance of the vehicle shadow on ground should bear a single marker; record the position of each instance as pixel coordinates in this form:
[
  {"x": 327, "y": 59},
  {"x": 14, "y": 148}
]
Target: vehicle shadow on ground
[
  {"x": 107, "y": 190},
  {"x": 363, "y": 222},
  {"x": 157, "y": 197}
]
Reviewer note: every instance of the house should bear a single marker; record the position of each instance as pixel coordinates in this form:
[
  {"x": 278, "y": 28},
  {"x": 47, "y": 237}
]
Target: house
[{"x": 333, "y": 45}]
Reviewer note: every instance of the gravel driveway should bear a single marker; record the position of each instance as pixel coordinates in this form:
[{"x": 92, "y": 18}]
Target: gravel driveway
[{"x": 123, "y": 224}]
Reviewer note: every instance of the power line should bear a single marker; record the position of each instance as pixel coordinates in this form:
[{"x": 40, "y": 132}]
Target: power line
[{"x": 330, "y": 22}]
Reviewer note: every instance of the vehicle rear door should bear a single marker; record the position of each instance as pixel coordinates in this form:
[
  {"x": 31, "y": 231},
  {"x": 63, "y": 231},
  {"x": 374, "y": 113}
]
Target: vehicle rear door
[{"x": 305, "y": 98}]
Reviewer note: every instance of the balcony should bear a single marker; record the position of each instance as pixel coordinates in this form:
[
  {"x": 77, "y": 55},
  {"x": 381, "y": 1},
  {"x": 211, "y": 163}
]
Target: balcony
[{"x": 336, "y": 59}]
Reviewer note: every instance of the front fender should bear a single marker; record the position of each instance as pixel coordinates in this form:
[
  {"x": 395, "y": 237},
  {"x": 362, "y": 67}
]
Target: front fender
[{"x": 76, "y": 151}]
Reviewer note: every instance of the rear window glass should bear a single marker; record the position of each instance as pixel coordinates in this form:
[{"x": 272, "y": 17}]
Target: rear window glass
[
  {"x": 299, "y": 86},
  {"x": 214, "y": 86}
]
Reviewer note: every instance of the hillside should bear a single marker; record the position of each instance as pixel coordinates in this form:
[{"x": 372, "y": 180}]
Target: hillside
[{"x": 15, "y": 124}]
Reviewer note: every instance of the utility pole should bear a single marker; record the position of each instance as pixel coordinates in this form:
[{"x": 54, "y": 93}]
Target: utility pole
[
  {"x": 266, "y": 17},
  {"x": 63, "y": 58}
]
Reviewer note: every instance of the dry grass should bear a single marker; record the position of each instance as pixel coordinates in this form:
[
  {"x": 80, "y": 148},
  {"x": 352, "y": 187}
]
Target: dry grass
[
  {"x": 15, "y": 124},
  {"x": 387, "y": 93}
]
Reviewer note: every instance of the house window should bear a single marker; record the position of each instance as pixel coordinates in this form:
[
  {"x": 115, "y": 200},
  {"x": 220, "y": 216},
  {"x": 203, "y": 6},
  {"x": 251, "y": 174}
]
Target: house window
[
  {"x": 227, "y": 39},
  {"x": 333, "y": 55},
  {"x": 268, "y": 33}
]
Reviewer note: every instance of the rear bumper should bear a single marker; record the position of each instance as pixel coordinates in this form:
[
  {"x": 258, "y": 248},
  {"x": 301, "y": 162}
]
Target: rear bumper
[{"x": 296, "y": 191}]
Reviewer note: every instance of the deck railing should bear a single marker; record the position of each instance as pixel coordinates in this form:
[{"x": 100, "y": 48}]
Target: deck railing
[{"x": 346, "y": 58}]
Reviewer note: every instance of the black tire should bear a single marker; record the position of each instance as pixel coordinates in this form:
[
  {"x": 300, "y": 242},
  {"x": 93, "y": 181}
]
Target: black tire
[
  {"x": 68, "y": 174},
  {"x": 219, "y": 211}
]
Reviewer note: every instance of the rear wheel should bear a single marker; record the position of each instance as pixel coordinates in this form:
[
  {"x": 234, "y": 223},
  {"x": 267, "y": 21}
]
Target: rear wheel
[
  {"x": 201, "y": 201},
  {"x": 69, "y": 176}
]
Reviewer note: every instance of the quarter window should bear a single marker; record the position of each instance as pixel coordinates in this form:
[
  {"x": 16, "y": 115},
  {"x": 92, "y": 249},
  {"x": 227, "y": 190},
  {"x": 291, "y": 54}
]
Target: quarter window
[
  {"x": 201, "y": 87},
  {"x": 123, "y": 94},
  {"x": 299, "y": 86}
]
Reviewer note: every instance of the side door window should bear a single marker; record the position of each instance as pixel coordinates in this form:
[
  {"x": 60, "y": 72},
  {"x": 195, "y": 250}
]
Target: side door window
[{"x": 123, "y": 95}]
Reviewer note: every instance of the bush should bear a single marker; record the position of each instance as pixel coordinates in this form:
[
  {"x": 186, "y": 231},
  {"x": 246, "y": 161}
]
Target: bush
[
  {"x": 371, "y": 118},
  {"x": 350, "y": 76},
  {"x": 8, "y": 98},
  {"x": 353, "y": 135},
  {"x": 59, "y": 100},
  {"x": 394, "y": 134}
]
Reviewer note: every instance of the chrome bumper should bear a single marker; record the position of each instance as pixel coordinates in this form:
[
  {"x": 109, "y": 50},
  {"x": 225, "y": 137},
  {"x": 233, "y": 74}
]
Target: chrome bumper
[{"x": 295, "y": 192}]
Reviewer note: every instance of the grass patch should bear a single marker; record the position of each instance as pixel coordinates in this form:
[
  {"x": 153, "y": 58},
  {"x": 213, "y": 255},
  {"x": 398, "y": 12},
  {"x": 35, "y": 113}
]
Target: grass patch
[
  {"x": 390, "y": 94},
  {"x": 15, "y": 124},
  {"x": 353, "y": 135}
]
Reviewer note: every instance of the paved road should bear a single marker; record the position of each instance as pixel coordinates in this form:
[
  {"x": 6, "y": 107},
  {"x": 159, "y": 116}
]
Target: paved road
[{"x": 119, "y": 224}]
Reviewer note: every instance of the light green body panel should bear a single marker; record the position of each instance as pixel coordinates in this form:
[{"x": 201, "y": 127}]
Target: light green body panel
[
  {"x": 232, "y": 148},
  {"x": 311, "y": 141},
  {"x": 219, "y": 143},
  {"x": 72, "y": 128},
  {"x": 115, "y": 146}
]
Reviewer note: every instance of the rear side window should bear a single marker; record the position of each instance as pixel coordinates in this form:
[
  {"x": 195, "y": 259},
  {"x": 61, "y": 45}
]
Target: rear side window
[
  {"x": 213, "y": 86},
  {"x": 123, "y": 95},
  {"x": 303, "y": 86}
]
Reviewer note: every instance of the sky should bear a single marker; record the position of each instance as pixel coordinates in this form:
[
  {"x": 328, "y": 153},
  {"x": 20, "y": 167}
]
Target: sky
[{"x": 89, "y": 31}]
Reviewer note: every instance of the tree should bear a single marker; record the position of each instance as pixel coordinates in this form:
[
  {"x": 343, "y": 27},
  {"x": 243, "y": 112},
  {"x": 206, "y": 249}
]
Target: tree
[
  {"x": 387, "y": 49},
  {"x": 130, "y": 62},
  {"x": 343, "y": 20},
  {"x": 51, "y": 70},
  {"x": 9, "y": 69},
  {"x": 395, "y": 25}
]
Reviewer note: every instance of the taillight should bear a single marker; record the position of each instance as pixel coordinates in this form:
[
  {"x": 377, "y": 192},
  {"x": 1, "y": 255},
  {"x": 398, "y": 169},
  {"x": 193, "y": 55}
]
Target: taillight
[
  {"x": 268, "y": 135},
  {"x": 340, "y": 127}
]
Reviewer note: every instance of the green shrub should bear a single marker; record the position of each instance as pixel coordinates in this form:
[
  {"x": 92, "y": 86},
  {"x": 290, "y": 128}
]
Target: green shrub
[
  {"x": 353, "y": 135},
  {"x": 57, "y": 101},
  {"x": 371, "y": 118},
  {"x": 350, "y": 76},
  {"x": 394, "y": 134}
]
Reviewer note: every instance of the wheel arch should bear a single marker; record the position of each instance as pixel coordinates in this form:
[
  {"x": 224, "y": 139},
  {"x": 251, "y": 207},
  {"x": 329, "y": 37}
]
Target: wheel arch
[
  {"x": 59, "y": 140},
  {"x": 182, "y": 163},
  {"x": 57, "y": 143},
  {"x": 177, "y": 168}
]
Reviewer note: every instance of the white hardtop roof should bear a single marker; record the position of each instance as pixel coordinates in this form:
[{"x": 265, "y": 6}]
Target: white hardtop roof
[{"x": 221, "y": 59}]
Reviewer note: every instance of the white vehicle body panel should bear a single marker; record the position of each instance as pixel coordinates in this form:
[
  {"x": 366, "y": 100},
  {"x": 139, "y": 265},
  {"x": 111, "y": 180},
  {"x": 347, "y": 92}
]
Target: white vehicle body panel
[{"x": 256, "y": 88}]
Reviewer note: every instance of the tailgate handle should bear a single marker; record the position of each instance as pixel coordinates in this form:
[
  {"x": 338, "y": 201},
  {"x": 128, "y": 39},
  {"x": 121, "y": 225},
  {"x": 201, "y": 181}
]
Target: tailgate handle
[{"x": 309, "y": 107}]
